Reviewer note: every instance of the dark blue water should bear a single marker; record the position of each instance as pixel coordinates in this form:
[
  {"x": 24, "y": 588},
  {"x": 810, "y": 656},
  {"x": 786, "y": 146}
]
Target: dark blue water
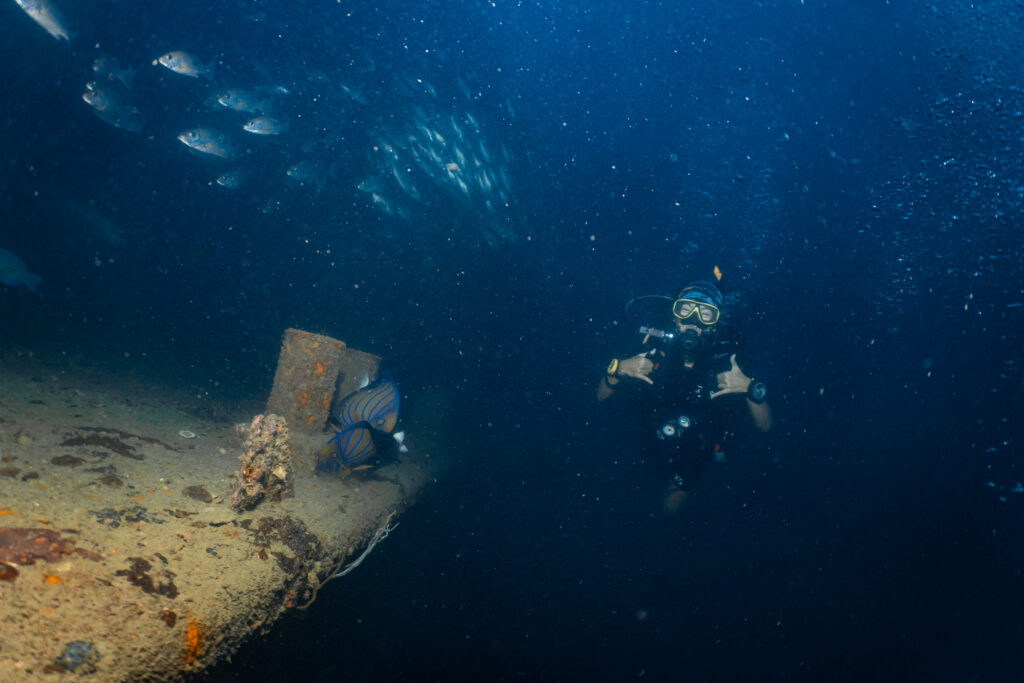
[{"x": 855, "y": 171}]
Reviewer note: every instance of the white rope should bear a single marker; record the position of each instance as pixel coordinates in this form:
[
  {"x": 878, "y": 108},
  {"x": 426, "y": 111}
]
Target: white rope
[{"x": 378, "y": 536}]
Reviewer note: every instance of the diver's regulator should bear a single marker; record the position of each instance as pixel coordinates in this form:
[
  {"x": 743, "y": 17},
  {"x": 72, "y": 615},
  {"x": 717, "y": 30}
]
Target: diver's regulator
[
  {"x": 689, "y": 340},
  {"x": 674, "y": 428}
]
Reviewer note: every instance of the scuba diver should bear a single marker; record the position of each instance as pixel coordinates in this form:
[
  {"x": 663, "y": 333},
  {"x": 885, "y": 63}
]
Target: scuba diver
[{"x": 688, "y": 386}]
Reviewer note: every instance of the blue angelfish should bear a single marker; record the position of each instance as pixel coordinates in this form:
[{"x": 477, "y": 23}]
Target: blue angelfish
[{"x": 371, "y": 409}]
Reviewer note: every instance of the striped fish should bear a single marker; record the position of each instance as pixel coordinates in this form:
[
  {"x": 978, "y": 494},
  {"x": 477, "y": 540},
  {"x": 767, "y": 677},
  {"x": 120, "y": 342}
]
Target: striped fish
[
  {"x": 372, "y": 408},
  {"x": 354, "y": 445},
  {"x": 376, "y": 405}
]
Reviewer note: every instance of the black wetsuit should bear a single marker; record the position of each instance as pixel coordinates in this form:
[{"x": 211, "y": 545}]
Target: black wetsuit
[{"x": 682, "y": 392}]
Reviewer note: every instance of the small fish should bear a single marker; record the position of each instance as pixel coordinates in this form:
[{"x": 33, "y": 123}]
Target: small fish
[
  {"x": 185, "y": 64},
  {"x": 243, "y": 100},
  {"x": 231, "y": 180},
  {"x": 303, "y": 172},
  {"x": 109, "y": 107},
  {"x": 14, "y": 272},
  {"x": 207, "y": 141},
  {"x": 46, "y": 14},
  {"x": 372, "y": 184},
  {"x": 107, "y": 67},
  {"x": 353, "y": 94},
  {"x": 263, "y": 125},
  {"x": 96, "y": 98}
]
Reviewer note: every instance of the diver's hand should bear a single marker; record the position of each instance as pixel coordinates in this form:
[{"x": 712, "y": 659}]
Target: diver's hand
[
  {"x": 637, "y": 367},
  {"x": 732, "y": 381}
]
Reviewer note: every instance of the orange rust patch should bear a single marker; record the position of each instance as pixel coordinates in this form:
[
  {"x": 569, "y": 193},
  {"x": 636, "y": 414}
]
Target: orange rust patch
[
  {"x": 303, "y": 398},
  {"x": 193, "y": 641},
  {"x": 7, "y": 512},
  {"x": 52, "y": 580},
  {"x": 319, "y": 369}
]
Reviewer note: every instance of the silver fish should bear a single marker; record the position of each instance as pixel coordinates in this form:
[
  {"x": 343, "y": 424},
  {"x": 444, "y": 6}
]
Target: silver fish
[
  {"x": 231, "y": 180},
  {"x": 264, "y": 125},
  {"x": 207, "y": 141},
  {"x": 243, "y": 100},
  {"x": 109, "y": 107},
  {"x": 44, "y": 13},
  {"x": 303, "y": 173},
  {"x": 353, "y": 94},
  {"x": 107, "y": 67},
  {"x": 185, "y": 64}
]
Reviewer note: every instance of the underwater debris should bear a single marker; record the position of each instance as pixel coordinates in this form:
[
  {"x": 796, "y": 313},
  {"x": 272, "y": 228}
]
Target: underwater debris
[
  {"x": 9, "y": 471},
  {"x": 110, "y": 443},
  {"x": 198, "y": 493},
  {"x": 77, "y": 653},
  {"x": 67, "y": 461},
  {"x": 266, "y": 470},
  {"x": 20, "y": 546},
  {"x": 114, "y": 440},
  {"x": 292, "y": 534},
  {"x": 138, "y": 575},
  {"x": 114, "y": 518},
  {"x": 383, "y": 531},
  {"x": 306, "y": 378},
  {"x": 7, "y": 572}
]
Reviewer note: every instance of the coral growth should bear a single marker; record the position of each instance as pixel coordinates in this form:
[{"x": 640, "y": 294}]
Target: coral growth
[
  {"x": 266, "y": 470},
  {"x": 193, "y": 641}
]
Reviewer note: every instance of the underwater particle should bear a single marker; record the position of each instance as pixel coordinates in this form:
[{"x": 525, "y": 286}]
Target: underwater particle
[
  {"x": 266, "y": 464},
  {"x": 186, "y": 434},
  {"x": 198, "y": 493}
]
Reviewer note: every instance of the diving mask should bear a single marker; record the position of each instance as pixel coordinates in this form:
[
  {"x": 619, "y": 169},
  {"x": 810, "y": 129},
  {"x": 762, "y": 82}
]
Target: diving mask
[{"x": 703, "y": 312}]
